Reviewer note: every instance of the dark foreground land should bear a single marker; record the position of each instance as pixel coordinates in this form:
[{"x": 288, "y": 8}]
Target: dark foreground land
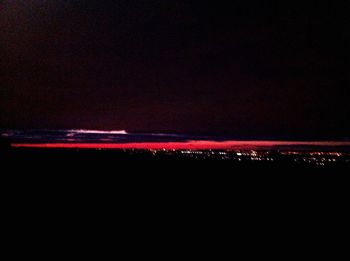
[
  {"x": 172, "y": 189},
  {"x": 188, "y": 179},
  {"x": 219, "y": 177},
  {"x": 183, "y": 162}
]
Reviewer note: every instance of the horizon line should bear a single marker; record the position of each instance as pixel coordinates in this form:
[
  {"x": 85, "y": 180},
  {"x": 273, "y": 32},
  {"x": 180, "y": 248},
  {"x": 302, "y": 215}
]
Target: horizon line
[{"x": 191, "y": 144}]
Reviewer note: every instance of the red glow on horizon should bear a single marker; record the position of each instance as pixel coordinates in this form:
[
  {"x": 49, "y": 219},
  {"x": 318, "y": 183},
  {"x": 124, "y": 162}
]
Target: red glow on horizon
[{"x": 189, "y": 145}]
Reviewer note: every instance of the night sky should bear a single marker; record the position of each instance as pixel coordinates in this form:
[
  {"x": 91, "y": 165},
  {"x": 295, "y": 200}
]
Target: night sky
[{"x": 246, "y": 70}]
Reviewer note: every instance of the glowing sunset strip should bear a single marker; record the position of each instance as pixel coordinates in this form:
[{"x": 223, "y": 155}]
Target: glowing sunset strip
[{"x": 194, "y": 145}]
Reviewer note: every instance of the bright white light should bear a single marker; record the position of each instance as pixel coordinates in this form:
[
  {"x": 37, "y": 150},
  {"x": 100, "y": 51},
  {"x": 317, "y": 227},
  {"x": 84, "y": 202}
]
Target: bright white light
[{"x": 99, "y": 131}]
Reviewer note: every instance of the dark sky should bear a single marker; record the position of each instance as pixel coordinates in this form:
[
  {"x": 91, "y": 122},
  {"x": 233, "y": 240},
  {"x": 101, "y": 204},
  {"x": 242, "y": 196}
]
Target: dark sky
[{"x": 252, "y": 69}]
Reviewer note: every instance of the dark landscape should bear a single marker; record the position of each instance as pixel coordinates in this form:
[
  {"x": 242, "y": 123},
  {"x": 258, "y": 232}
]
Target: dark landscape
[
  {"x": 191, "y": 86},
  {"x": 161, "y": 124}
]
